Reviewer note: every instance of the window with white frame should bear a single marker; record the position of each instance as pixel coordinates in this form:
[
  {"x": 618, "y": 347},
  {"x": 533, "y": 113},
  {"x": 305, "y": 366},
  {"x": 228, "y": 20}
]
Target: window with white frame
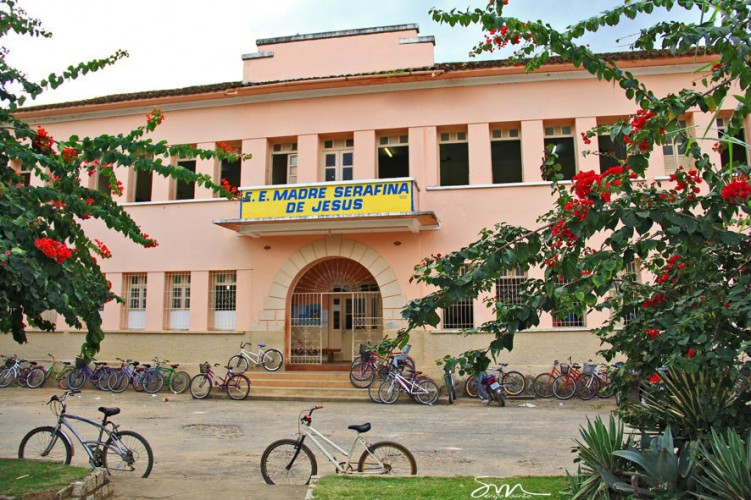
[
  {"x": 573, "y": 318},
  {"x": 393, "y": 156},
  {"x": 453, "y": 155},
  {"x": 460, "y": 314},
  {"x": 338, "y": 159},
  {"x": 23, "y": 172},
  {"x": 738, "y": 152},
  {"x": 674, "y": 149},
  {"x": 611, "y": 153},
  {"x": 100, "y": 182},
  {"x": 177, "y": 301},
  {"x": 134, "y": 293},
  {"x": 186, "y": 190},
  {"x": 142, "y": 182},
  {"x": 230, "y": 170},
  {"x": 222, "y": 300},
  {"x": 561, "y": 137},
  {"x": 506, "y": 155},
  {"x": 507, "y": 286},
  {"x": 283, "y": 163}
]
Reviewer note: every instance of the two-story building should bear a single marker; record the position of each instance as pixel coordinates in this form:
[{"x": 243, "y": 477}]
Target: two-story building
[{"x": 366, "y": 157}]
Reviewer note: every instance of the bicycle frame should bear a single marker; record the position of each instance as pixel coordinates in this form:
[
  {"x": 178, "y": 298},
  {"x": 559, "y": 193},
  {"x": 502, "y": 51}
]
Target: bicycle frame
[
  {"x": 250, "y": 355},
  {"x": 311, "y": 433}
]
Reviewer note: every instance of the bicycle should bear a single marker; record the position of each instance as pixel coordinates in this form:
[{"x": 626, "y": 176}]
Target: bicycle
[
  {"x": 448, "y": 381},
  {"x": 370, "y": 364},
  {"x": 564, "y": 385},
  {"x": 142, "y": 378},
  {"x": 177, "y": 381},
  {"x": 542, "y": 385},
  {"x": 236, "y": 385},
  {"x": 270, "y": 359},
  {"x": 513, "y": 382},
  {"x": 82, "y": 372},
  {"x": 423, "y": 389},
  {"x": 290, "y": 461},
  {"x": 594, "y": 381},
  {"x": 116, "y": 450},
  {"x": 39, "y": 374},
  {"x": 15, "y": 371}
]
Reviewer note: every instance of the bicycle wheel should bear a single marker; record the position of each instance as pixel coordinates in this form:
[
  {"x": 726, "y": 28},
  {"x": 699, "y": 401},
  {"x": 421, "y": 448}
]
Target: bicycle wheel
[
  {"x": 200, "y": 386},
  {"x": 448, "y": 381},
  {"x": 153, "y": 382},
  {"x": 62, "y": 377},
  {"x": 127, "y": 452},
  {"x": 388, "y": 391},
  {"x": 361, "y": 374},
  {"x": 514, "y": 383},
  {"x": 428, "y": 392},
  {"x": 373, "y": 389},
  {"x": 564, "y": 387},
  {"x": 118, "y": 382},
  {"x": 36, "y": 377},
  {"x": 179, "y": 382},
  {"x": 43, "y": 443},
  {"x": 23, "y": 376},
  {"x": 498, "y": 398},
  {"x": 470, "y": 389},
  {"x": 76, "y": 379},
  {"x": 238, "y": 387},
  {"x": 103, "y": 382},
  {"x": 388, "y": 458},
  {"x": 288, "y": 462},
  {"x": 607, "y": 387},
  {"x": 238, "y": 363},
  {"x": 587, "y": 387},
  {"x": 543, "y": 385},
  {"x": 137, "y": 381},
  {"x": 272, "y": 359}
]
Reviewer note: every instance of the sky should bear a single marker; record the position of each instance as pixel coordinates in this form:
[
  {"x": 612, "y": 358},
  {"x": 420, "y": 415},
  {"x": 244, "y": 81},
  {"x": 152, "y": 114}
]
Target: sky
[{"x": 181, "y": 43}]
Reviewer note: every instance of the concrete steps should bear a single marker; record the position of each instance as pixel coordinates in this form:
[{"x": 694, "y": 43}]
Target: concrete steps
[{"x": 304, "y": 386}]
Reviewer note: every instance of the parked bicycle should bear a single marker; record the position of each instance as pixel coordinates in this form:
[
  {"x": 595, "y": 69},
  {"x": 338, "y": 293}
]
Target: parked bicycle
[
  {"x": 117, "y": 451},
  {"x": 16, "y": 370},
  {"x": 270, "y": 359},
  {"x": 513, "y": 382},
  {"x": 83, "y": 372},
  {"x": 421, "y": 389},
  {"x": 291, "y": 461},
  {"x": 564, "y": 385},
  {"x": 542, "y": 385},
  {"x": 371, "y": 365},
  {"x": 595, "y": 381},
  {"x": 177, "y": 381},
  {"x": 236, "y": 385},
  {"x": 142, "y": 378},
  {"x": 448, "y": 381}
]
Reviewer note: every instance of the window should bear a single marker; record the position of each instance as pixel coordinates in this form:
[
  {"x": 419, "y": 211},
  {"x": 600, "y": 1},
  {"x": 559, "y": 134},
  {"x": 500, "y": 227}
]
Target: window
[
  {"x": 569, "y": 318},
  {"x": 177, "y": 301},
  {"x": 562, "y": 140},
  {"x": 393, "y": 157},
  {"x": 134, "y": 310},
  {"x": 739, "y": 152},
  {"x": 222, "y": 297},
  {"x": 459, "y": 315},
  {"x": 674, "y": 149},
  {"x": 506, "y": 155},
  {"x": 284, "y": 163},
  {"x": 143, "y": 181},
  {"x": 186, "y": 190},
  {"x": 610, "y": 152},
  {"x": 338, "y": 159},
  {"x": 453, "y": 152},
  {"x": 100, "y": 182},
  {"x": 507, "y": 287},
  {"x": 23, "y": 172}
]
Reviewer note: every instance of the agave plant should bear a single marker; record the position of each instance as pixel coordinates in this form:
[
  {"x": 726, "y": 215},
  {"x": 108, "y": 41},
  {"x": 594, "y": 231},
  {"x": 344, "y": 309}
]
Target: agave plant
[{"x": 725, "y": 472}]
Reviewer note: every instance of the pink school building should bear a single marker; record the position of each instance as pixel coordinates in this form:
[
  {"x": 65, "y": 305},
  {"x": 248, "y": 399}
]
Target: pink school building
[{"x": 367, "y": 156}]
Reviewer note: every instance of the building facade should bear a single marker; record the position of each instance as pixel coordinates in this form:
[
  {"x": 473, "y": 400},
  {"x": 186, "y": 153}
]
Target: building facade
[{"x": 366, "y": 157}]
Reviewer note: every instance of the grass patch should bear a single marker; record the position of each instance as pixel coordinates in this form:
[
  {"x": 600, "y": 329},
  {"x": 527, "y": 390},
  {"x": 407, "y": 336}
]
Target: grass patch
[
  {"x": 18, "y": 477},
  {"x": 449, "y": 488}
]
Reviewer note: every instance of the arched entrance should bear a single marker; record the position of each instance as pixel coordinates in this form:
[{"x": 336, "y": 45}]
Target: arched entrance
[{"x": 334, "y": 308}]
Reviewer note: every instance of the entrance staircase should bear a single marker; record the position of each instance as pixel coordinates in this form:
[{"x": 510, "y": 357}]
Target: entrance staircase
[{"x": 304, "y": 386}]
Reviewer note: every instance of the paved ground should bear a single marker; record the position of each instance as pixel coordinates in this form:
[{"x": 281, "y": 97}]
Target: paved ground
[{"x": 212, "y": 447}]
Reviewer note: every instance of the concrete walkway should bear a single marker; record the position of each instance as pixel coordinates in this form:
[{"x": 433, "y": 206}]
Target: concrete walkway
[{"x": 213, "y": 447}]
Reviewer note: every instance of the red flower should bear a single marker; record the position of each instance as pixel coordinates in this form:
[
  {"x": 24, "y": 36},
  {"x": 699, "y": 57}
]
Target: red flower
[
  {"x": 89, "y": 201},
  {"x": 43, "y": 141},
  {"x": 654, "y": 379},
  {"x": 653, "y": 332},
  {"x": 691, "y": 352},
  {"x": 53, "y": 249},
  {"x": 69, "y": 154},
  {"x": 736, "y": 191},
  {"x": 103, "y": 250}
]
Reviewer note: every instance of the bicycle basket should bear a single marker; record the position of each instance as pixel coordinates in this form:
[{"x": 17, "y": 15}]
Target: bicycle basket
[
  {"x": 204, "y": 367},
  {"x": 565, "y": 368},
  {"x": 588, "y": 368},
  {"x": 10, "y": 362},
  {"x": 80, "y": 363}
]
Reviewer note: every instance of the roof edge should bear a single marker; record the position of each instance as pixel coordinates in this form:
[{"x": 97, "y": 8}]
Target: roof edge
[{"x": 337, "y": 34}]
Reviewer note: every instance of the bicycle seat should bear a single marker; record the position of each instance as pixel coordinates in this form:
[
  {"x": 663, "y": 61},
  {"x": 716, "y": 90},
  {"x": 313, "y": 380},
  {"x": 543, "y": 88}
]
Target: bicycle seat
[
  {"x": 146, "y": 366},
  {"x": 360, "y": 428},
  {"x": 98, "y": 363},
  {"x": 109, "y": 412},
  {"x": 66, "y": 362},
  {"x": 261, "y": 345},
  {"x": 502, "y": 365},
  {"x": 175, "y": 365}
]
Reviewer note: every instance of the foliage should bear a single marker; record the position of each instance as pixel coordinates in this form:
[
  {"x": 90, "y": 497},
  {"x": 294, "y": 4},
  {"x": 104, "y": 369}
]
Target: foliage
[
  {"x": 690, "y": 403},
  {"x": 690, "y": 233},
  {"x": 47, "y": 262},
  {"x": 28, "y": 477},
  {"x": 597, "y": 461},
  {"x": 725, "y": 472},
  {"x": 664, "y": 470}
]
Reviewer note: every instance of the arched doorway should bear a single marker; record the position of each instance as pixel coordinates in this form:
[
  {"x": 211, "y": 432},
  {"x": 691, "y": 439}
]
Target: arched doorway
[{"x": 334, "y": 308}]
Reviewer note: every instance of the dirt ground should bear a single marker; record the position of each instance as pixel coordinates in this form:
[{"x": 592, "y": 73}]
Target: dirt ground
[{"x": 211, "y": 447}]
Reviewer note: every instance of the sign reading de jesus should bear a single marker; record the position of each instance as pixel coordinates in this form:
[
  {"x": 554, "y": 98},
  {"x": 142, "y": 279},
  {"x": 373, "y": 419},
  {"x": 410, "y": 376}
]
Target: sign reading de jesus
[{"x": 347, "y": 198}]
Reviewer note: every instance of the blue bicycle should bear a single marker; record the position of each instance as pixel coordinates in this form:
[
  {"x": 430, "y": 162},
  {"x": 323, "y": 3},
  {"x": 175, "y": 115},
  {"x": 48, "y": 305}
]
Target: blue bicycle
[
  {"x": 142, "y": 378},
  {"x": 78, "y": 377}
]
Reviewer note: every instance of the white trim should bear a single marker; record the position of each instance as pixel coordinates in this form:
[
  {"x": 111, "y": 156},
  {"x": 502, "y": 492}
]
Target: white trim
[{"x": 487, "y": 186}]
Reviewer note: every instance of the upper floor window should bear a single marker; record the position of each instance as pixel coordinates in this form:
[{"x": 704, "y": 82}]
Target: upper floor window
[
  {"x": 739, "y": 151},
  {"x": 186, "y": 190},
  {"x": 506, "y": 155},
  {"x": 561, "y": 137},
  {"x": 393, "y": 156},
  {"x": 142, "y": 182},
  {"x": 338, "y": 155},
  {"x": 284, "y": 163},
  {"x": 100, "y": 182},
  {"x": 453, "y": 153},
  {"x": 674, "y": 149},
  {"x": 611, "y": 152},
  {"x": 23, "y": 172}
]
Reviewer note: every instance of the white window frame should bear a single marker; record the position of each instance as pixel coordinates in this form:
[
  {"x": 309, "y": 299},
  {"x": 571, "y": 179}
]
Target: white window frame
[
  {"x": 387, "y": 141},
  {"x": 507, "y": 134},
  {"x": 177, "y": 300},
  {"x": 290, "y": 150},
  {"x": 342, "y": 151},
  {"x": 135, "y": 287},
  {"x": 224, "y": 317},
  {"x": 672, "y": 158}
]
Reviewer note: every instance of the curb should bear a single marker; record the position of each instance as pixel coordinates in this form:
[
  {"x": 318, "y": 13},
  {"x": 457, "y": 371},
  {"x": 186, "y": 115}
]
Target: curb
[{"x": 311, "y": 487}]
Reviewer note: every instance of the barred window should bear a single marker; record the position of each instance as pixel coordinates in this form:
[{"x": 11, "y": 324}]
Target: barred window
[
  {"x": 507, "y": 287},
  {"x": 674, "y": 149},
  {"x": 134, "y": 310},
  {"x": 459, "y": 315},
  {"x": 177, "y": 301},
  {"x": 570, "y": 318},
  {"x": 222, "y": 300}
]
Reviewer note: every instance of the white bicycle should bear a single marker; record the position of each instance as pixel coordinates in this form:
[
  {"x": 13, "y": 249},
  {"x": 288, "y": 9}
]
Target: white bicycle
[
  {"x": 270, "y": 359},
  {"x": 290, "y": 461}
]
